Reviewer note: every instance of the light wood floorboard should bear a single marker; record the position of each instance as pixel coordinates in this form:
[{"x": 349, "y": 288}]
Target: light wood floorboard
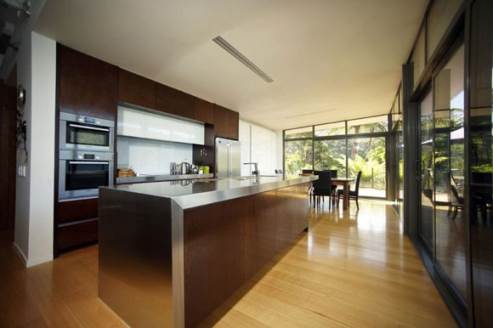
[{"x": 352, "y": 269}]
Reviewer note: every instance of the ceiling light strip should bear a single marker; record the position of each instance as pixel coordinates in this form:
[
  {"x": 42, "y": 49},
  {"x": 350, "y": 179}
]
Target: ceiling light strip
[{"x": 244, "y": 60}]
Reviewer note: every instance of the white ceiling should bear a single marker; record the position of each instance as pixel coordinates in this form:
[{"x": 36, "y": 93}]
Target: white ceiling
[{"x": 330, "y": 59}]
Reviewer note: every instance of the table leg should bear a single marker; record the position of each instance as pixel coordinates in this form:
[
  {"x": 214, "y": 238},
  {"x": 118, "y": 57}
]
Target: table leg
[{"x": 346, "y": 196}]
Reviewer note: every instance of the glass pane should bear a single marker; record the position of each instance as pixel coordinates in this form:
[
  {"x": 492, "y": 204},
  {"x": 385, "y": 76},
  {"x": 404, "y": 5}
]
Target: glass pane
[
  {"x": 368, "y": 125},
  {"x": 297, "y": 156},
  {"x": 449, "y": 170},
  {"x": 425, "y": 223},
  {"x": 418, "y": 57},
  {"x": 299, "y": 133},
  {"x": 80, "y": 134},
  {"x": 481, "y": 163},
  {"x": 331, "y": 129},
  {"x": 331, "y": 155},
  {"x": 441, "y": 14},
  {"x": 368, "y": 156}
]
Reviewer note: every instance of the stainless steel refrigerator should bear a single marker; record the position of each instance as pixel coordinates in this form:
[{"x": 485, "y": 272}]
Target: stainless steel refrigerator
[{"x": 228, "y": 158}]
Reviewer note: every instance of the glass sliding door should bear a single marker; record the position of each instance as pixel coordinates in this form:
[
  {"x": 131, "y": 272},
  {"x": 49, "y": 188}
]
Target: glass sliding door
[
  {"x": 425, "y": 222},
  {"x": 448, "y": 111}
]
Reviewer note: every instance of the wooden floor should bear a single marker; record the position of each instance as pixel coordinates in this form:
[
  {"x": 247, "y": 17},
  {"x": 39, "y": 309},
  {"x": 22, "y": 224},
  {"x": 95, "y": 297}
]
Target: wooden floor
[{"x": 353, "y": 269}]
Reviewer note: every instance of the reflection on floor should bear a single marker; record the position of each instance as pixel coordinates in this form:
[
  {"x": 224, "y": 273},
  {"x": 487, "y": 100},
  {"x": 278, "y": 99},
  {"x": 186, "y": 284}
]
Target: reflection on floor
[{"x": 353, "y": 269}]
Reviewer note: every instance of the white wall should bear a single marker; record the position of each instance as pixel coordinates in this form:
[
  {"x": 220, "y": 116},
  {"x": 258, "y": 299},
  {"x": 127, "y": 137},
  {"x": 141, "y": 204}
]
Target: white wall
[
  {"x": 259, "y": 144},
  {"x": 146, "y": 156},
  {"x": 244, "y": 138},
  {"x": 36, "y": 71}
]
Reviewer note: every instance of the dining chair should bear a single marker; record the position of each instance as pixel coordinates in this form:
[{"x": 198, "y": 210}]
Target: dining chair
[
  {"x": 323, "y": 187},
  {"x": 353, "y": 194}
]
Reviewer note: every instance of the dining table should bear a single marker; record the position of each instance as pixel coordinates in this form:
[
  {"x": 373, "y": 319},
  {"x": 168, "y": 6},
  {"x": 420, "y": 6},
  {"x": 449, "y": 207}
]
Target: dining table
[{"x": 345, "y": 183}]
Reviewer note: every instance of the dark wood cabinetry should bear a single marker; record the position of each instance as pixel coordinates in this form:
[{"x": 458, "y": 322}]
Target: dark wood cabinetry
[
  {"x": 76, "y": 224},
  {"x": 76, "y": 210},
  {"x": 8, "y": 155},
  {"x": 86, "y": 85},
  {"x": 226, "y": 122},
  {"x": 203, "y": 111},
  {"x": 136, "y": 90},
  {"x": 76, "y": 234},
  {"x": 173, "y": 101},
  {"x": 89, "y": 86}
]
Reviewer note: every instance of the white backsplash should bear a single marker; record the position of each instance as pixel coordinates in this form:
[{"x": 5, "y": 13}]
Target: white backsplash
[{"x": 151, "y": 156}]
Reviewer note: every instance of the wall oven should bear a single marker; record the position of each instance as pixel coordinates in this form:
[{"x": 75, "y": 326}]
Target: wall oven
[
  {"x": 85, "y": 133},
  {"x": 82, "y": 173}
]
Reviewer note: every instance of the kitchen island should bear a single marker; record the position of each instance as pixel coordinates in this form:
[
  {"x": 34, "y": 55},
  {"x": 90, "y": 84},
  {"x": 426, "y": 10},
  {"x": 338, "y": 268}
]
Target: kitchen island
[{"x": 179, "y": 254}]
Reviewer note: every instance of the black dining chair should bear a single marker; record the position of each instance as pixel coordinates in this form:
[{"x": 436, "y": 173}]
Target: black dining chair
[
  {"x": 333, "y": 173},
  {"x": 353, "y": 194},
  {"x": 323, "y": 187},
  {"x": 457, "y": 202}
]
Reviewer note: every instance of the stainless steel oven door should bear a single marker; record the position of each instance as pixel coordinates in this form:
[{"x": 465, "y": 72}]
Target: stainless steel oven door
[
  {"x": 81, "y": 178},
  {"x": 85, "y": 133}
]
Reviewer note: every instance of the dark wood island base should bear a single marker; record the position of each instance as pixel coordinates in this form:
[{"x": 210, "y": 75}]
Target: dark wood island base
[{"x": 165, "y": 264}]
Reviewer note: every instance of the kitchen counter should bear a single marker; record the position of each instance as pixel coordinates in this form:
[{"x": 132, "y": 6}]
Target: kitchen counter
[
  {"x": 175, "y": 253},
  {"x": 161, "y": 177},
  {"x": 193, "y": 193}
]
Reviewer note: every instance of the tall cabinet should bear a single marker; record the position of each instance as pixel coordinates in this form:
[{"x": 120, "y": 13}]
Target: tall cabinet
[{"x": 85, "y": 86}]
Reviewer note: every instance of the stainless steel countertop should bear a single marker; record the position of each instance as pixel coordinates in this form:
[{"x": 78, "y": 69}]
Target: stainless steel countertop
[
  {"x": 193, "y": 193},
  {"x": 161, "y": 177}
]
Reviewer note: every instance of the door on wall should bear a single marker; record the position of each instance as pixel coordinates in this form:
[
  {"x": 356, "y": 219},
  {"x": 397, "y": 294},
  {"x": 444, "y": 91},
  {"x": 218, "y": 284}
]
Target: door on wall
[
  {"x": 425, "y": 217},
  {"x": 8, "y": 155}
]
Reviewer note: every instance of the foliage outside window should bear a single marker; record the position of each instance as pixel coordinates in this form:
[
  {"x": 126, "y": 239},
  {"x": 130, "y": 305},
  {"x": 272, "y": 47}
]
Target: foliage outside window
[
  {"x": 331, "y": 155},
  {"x": 368, "y": 156},
  {"x": 368, "y": 125},
  {"x": 331, "y": 129},
  {"x": 297, "y": 156},
  {"x": 300, "y": 133},
  {"x": 323, "y": 147}
]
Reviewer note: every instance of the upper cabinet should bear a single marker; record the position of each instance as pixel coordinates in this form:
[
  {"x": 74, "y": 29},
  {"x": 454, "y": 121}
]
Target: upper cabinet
[
  {"x": 89, "y": 86},
  {"x": 203, "y": 111},
  {"x": 86, "y": 85},
  {"x": 174, "y": 101},
  {"x": 226, "y": 122},
  {"x": 136, "y": 90}
]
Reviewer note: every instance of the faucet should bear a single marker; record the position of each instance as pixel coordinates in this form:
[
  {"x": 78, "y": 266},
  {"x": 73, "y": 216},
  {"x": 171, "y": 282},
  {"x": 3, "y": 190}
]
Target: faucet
[{"x": 255, "y": 171}]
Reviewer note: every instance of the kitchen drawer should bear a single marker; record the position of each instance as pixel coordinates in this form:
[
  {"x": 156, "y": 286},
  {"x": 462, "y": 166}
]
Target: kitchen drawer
[
  {"x": 76, "y": 234},
  {"x": 76, "y": 210}
]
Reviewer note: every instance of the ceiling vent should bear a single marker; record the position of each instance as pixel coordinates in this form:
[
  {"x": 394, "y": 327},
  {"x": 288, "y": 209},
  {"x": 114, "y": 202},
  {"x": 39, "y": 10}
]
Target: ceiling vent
[{"x": 242, "y": 58}]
